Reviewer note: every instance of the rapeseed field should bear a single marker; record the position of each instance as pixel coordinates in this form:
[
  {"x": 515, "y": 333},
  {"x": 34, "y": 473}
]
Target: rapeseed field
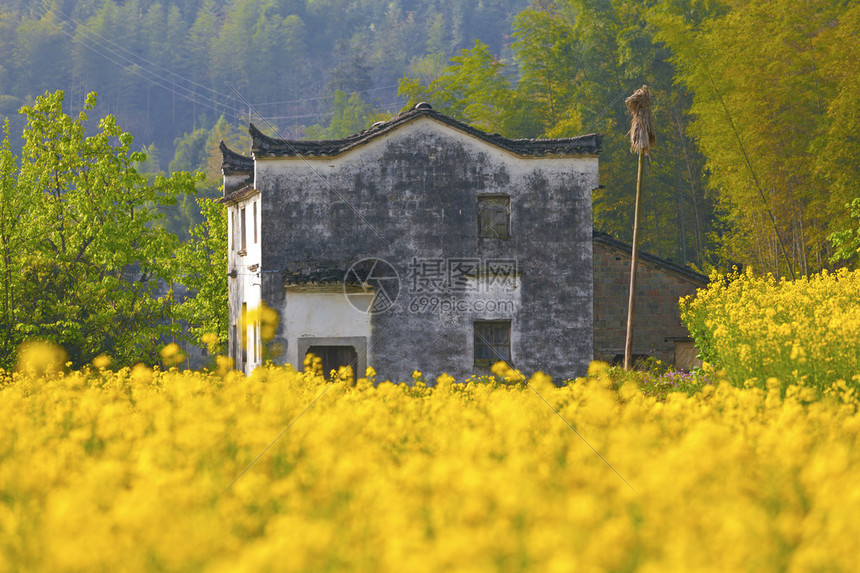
[
  {"x": 756, "y": 328},
  {"x": 149, "y": 470}
]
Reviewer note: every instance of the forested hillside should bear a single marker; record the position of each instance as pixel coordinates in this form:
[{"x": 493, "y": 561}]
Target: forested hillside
[
  {"x": 166, "y": 68},
  {"x": 755, "y": 101}
]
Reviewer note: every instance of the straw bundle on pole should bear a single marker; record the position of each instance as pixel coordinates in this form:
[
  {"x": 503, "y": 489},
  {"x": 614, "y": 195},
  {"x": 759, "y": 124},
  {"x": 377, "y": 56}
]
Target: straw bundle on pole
[{"x": 642, "y": 139}]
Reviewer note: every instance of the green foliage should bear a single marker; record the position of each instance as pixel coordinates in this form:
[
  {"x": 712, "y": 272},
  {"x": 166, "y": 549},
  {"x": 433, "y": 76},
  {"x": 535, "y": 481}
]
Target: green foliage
[
  {"x": 654, "y": 379},
  {"x": 150, "y": 164},
  {"x": 235, "y": 136},
  {"x": 573, "y": 63},
  {"x": 202, "y": 268},
  {"x": 15, "y": 203},
  {"x": 774, "y": 89},
  {"x": 166, "y": 68},
  {"x": 473, "y": 88},
  {"x": 85, "y": 256},
  {"x": 754, "y": 103},
  {"x": 190, "y": 151},
  {"x": 198, "y": 151},
  {"x": 350, "y": 115},
  {"x": 847, "y": 243}
]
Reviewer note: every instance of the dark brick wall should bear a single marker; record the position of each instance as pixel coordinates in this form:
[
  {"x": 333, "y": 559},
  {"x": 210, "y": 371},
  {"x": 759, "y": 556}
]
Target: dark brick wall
[{"x": 658, "y": 318}]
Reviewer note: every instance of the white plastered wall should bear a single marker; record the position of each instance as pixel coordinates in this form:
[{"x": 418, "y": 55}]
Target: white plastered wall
[
  {"x": 244, "y": 288},
  {"x": 324, "y": 317}
]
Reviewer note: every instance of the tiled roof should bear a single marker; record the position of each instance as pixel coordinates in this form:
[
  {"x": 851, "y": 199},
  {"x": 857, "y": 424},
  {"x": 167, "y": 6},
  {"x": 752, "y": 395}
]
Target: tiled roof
[
  {"x": 686, "y": 272},
  {"x": 239, "y": 194},
  {"x": 233, "y": 163},
  {"x": 317, "y": 276},
  {"x": 265, "y": 146}
]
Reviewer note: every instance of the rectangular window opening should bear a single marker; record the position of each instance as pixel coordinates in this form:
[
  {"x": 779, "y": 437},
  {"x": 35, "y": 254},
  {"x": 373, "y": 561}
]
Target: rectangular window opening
[
  {"x": 494, "y": 217},
  {"x": 234, "y": 332},
  {"x": 243, "y": 230},
  {"x": 244, "y": 333},
  {"x": 254, "y": 209},
  {"x": 492, "y": 342},
  {"x": 333, "y": 357}
]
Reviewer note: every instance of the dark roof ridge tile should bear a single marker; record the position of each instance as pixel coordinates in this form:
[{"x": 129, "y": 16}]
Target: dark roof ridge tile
[
  {"x": 233, "y": 163},
  {"x": 242, "y": 192},
  {"x": 265, "y": 146}
]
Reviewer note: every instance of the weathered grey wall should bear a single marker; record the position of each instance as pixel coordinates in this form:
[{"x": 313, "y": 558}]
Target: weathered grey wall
[{"x": 413, "y": 193}]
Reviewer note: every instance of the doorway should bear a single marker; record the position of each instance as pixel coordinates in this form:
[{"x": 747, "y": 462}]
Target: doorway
[{"x": 333, "y": 357}]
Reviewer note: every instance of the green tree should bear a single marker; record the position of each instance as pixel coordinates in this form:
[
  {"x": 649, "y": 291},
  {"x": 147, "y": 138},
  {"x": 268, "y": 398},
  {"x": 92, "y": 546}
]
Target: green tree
[
  {"x": 351, "y": 115},
  {"x": 774, "y": 100},
  {"x": 573, "y": 63},
  {"x": 234, "y": 136},
  {"x": 95, "y": 263},
  {"x": 847, "y": 243},
  {"x": 202, "y": 263},
  {"x": 15, "y": 203},
  {"x": 190, "y": 151},
  {"x": 198, "y": 151},
  {"x": 475, "y": 89}
]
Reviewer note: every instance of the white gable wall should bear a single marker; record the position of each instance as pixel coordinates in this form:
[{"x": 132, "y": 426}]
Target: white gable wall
[{"x": 244, "y": 288}]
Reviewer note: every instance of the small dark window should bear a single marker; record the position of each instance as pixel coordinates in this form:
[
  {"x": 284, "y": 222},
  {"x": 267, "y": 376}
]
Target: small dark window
[
  {"x": 494, "y": 217},
  {"x": 492, "y": 342},
  {"x": 243, "y": 230},
  {"x": 236, "y": 343},
  {"x": 254, "y": 209},
  {"x": 244, "y": 332}
]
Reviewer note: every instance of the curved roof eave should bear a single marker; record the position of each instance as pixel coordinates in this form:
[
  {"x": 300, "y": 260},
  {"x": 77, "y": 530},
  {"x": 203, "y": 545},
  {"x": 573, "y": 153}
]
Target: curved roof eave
[{"x": 264, "y": 146}]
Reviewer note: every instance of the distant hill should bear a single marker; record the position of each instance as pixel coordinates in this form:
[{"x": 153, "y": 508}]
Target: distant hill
[{"x": 166, "y": 68}]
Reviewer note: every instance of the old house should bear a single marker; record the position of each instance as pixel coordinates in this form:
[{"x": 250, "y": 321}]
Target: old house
[{"x": 420, "y": 243}]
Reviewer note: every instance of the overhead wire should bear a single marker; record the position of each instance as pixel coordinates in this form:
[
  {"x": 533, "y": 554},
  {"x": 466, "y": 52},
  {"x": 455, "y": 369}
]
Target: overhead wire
[
  {"x": 212, "y": 98},
  {"x": 104, "y": 42},
  {"x": 135, "y": 68},
  {"x": 330, "y": 96}
]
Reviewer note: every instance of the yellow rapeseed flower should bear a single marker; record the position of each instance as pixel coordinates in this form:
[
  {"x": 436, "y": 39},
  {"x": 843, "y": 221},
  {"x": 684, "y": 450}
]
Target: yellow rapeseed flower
[
  {"x": 39, "y": 358},
  {"x": 142, "y": 469}
]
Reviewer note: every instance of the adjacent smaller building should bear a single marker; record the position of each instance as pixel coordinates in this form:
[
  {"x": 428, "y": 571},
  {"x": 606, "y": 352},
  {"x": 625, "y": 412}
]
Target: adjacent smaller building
[{"x": 660, "y": 284}]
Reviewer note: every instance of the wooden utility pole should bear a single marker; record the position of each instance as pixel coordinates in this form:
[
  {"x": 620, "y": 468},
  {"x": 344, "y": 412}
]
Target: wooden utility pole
[{"x": 642, "y": 138}]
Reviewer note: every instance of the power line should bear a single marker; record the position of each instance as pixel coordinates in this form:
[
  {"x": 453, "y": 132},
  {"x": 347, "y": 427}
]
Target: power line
[
  {"x": 216, "y": 96},
  {"x": 91, "y": 34},
  {"x": 136, "y": 69},
  {"x": 331, "y": 96},
  {"x": 315, "y": 115}
]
